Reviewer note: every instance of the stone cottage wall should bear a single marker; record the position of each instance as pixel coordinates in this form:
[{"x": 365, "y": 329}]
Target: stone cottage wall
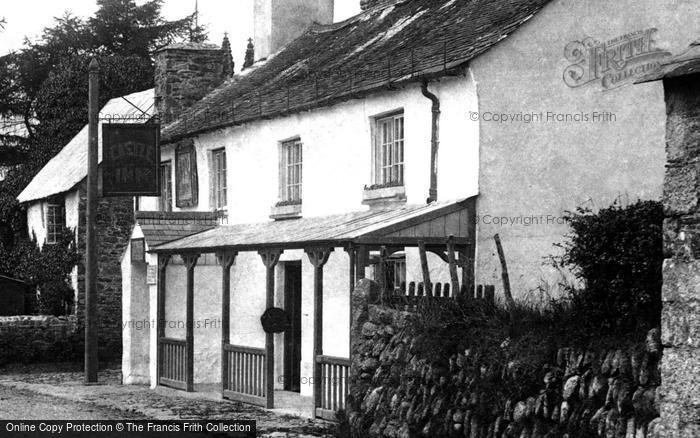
[
  {"x": 395, "y": 392},
  {"x": 115, "y": 220},
  {"x": 680, "y": 319}
]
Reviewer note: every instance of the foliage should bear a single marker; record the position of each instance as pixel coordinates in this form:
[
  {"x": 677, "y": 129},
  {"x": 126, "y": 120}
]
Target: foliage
[
  {"x": 493, "y": 335},
  {"x": 46, "y": 269},
  {"x": 617, "y": 254},
  {"x": 44, "y": 84},
  {"x": 506, "y": 352}
]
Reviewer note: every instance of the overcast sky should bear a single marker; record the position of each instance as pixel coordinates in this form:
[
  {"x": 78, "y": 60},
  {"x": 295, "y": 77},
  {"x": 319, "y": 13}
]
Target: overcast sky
[{"x": 29, "y": 17}]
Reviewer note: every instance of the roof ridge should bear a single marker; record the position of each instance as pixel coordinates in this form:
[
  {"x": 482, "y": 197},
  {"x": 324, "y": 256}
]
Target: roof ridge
[{"x": 359, "y": 59}]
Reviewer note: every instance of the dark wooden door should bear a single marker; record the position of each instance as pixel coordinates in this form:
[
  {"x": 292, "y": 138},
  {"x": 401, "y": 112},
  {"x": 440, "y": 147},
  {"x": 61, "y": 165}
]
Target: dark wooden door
[{"x": 292, "y": 337}]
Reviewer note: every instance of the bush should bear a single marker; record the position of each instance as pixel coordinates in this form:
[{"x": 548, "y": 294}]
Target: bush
[
  {"x": 617, "y": 254},
  {"x": 525, "y": 336},
  {"x": 44, "y": 269}
]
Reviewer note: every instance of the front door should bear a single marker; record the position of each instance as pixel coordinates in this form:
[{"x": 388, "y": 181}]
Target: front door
[{"x": 292, "y": 337}]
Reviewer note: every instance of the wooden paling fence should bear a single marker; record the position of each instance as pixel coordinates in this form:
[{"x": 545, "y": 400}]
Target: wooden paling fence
[
  {"x": 173, "y": 366},
  {"x": 244, "y": 379},
  {"x": 334, "y": 385},
  {"x": 408, "y": 298}
]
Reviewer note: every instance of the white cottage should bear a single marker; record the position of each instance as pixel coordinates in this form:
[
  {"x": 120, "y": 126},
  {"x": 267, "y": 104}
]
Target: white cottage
[
  {"x": 318, "y": 162},
  {"x": 55, "y": 200}
]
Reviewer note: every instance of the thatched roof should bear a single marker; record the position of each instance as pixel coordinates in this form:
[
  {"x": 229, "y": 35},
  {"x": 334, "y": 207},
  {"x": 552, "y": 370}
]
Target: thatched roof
[{"x": 69, "y": 167}]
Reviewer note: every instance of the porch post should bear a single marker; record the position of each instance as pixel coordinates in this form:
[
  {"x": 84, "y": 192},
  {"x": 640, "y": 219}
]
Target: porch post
[
  {"x": 453, "y": 266},
  {"x": 428, "y": 286},
  {"x": 318, "y": 258},
  {"x": 352, "y": 255},
  {"x": 190, "y": 262},
  {"x": 225, "y": 259},
  {"x": 380, "y": 275},
  {"x": 163, "y": 260},
  {"x": 361, "y": 262},
  {"x": 467, "y": 265},
  {"x": 270, "y": 259}
]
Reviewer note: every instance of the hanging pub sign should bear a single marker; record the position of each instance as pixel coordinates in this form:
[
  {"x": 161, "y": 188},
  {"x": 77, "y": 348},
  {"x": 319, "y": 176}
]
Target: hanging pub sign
[{"x": 130, "y": 159}]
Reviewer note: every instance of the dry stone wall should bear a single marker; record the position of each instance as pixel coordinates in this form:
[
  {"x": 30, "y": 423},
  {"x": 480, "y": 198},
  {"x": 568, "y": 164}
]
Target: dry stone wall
[
  {"x": 680, "y": 318},
  {"x": 36, "y": 338},
  {"x": 395, "y": 392}
]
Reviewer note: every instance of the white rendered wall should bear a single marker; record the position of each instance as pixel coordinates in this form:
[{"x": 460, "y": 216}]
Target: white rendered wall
[
  {"x": 545, "y": 168},
  {"x": 337, "y": 153}
]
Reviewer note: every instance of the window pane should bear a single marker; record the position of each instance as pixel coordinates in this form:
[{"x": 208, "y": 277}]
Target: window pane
[{"x": 293, "y": 170}]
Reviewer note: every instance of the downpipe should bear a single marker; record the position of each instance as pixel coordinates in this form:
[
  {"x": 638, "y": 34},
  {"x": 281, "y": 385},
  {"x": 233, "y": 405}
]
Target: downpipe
[{"x": 434, "y": 141}]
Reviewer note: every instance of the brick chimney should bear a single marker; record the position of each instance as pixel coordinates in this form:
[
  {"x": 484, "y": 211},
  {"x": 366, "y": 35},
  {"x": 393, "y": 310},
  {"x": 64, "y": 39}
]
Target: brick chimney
[
  {"x": 277, "y": 22},
  {"x": 184, "y": 74}
]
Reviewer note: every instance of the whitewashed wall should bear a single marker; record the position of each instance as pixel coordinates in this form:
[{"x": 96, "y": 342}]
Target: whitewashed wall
[
  {"x": 337, "y": 153},
  {"x": 37, "y": 227},
  {"x": 534, "y": 169},
  {"x": 337, "y": 166}
]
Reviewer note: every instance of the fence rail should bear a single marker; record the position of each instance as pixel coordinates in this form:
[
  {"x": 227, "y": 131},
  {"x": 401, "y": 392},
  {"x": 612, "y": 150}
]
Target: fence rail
[
  {"x": 334, "y": 386},
  {"x": 244, "y": 379},
  {"x": 173, "y": 366},
  {"x": 408, "y": 298}
]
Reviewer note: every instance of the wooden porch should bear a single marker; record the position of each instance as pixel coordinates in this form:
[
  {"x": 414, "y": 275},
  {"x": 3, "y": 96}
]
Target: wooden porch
[{"x": 247, "y": 374}]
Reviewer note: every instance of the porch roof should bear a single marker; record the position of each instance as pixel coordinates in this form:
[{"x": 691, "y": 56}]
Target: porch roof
[
  {"x": 159, "y": 227},
  {"x": 687, "y": 63},
  {"x": 405, "y": 226}
]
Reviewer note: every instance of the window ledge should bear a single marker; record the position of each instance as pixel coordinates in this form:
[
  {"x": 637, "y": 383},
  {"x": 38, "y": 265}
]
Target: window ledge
[
  {"x": 377, "y": 195},
  {"x": 286, "y": 211}
]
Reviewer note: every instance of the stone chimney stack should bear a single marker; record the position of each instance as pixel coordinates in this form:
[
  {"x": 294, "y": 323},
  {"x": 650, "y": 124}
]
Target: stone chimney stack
[
  {"x": 277, "y": 22},
  {"x": 366, "y": 4},
  {"x": 185, "y": 73}
]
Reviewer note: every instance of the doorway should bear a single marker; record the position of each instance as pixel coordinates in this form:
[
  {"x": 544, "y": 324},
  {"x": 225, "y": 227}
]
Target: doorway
[{"x": 292, "y": 337}]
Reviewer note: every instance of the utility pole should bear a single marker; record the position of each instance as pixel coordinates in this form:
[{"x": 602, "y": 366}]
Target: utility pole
[{"x": 91, "y": 250}]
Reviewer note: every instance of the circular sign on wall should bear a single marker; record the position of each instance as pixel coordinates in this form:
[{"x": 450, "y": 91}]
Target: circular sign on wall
[{"x": 275, "y": 320}]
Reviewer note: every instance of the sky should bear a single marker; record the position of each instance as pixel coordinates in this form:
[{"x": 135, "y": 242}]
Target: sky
[{"x": 29, "y": 17}]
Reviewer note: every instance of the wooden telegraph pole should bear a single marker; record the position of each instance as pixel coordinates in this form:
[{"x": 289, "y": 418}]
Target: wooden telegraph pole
[{"x": 91, "y": 250}]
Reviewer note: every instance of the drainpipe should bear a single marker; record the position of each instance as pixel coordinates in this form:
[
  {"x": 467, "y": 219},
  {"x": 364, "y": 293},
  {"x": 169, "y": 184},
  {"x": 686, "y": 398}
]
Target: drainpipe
[{"x": 434, "y": 140}]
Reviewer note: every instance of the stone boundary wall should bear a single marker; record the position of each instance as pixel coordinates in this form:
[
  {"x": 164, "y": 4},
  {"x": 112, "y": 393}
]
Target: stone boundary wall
[
  {"x": 36, "y": 337},
  {"x": 114, "y": 223},
  {"x": 680, "y": 317},
  {"x": 394, "y": 392}
]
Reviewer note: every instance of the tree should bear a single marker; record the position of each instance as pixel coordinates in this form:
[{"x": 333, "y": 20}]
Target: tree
[{"x": 45, "y": 82}]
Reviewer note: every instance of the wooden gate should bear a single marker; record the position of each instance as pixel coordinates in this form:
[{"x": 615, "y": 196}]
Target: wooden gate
[
  {"x": 173, "y": 363},
  {"x": 244, "y": 379},
  {"x": 334, "y": 386}
]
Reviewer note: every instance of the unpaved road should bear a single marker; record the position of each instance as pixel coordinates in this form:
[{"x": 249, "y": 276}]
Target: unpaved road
[{"x": 23, "y": 405}]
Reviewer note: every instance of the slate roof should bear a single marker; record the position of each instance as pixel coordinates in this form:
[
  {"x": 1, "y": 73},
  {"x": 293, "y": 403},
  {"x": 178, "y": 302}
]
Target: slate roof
[
  {"x": 162, "y": 227},
  {"x": 393, "y": 43},
  {"x": 298, "y": 233},
  {"x": 687, "y": 63},
  {"x": 69, "y": 166}
]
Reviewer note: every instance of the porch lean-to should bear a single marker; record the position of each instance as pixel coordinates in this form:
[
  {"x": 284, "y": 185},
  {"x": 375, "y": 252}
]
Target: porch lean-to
[{"x": 249, "y": 372}]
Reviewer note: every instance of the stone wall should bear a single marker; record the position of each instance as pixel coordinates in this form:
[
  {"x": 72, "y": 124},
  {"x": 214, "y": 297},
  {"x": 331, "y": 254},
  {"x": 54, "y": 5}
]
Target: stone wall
[
  {"x": 395, "y": 392},
  {"x": 184, "y": 74},
  {"x": 680, "y": 319},
  {"x": 115, "y": 220},
  {"x": 36, "y": 338}
]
